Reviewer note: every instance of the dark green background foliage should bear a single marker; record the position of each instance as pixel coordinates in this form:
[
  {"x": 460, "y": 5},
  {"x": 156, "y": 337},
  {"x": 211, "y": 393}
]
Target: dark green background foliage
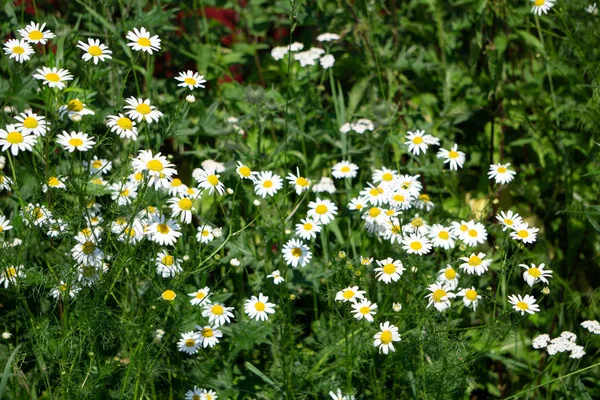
[{"x": 488, "y": 75}]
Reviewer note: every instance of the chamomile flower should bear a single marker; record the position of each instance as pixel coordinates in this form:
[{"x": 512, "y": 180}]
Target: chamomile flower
[
  {"x": 400, "y": 199},
  {"x": 53, "y": 77},
  {"x": 448, "y": 277},
  {"x": 189, "y": 342},
  {"x": 156, "y": 166},
  {"x": 18, "y": 50},
  {"x": 441, "y": 236},
  {"x": 541, "y": 6},
  {"x": 351, "y": 294},
  {"x": 276, "y": 275},
  {"x": 364, "y": 309},
  {"x": 167, "y": 265},
  {"x": 524, "y": 233},
  {"x": 9, "y": 275},
  {"x": 75, "y": 110},
  {"x": 534, "y": 274},
  {"x": 30, "y": 122},
  {"x": 123, "y": 126},
  {"x": 416, "y": 244},
  {"x": 366, "y": 260},
  {"x": 418, "y": 141},
  {"x": 389, "y": 270},
  {"x": 307, "y": 229},
  {"x": 34, "y": 33},
  {"x": 75, "y": 141},
  {"x": 140, "y": 109},
  {"x": 36, "y": 214},
  {"x": 475, "y": 264},
  {"x": 208, "y": 395},
  {"x": 453, "y": 156},
  {"x": 210, "y": 335},
  {"x": 376, "y": 195},
  {"x": 5, "y": 182},
  {"x": 344, "y": 169},
  {"x": 199, "y": 296},
  {"x": 4, "y": 224},
  {"x": 259, "y": 307},
  {"x": 194, "y": 394},
  {"x": 323, "y": 211},
  {"x": 385, "y": 338},
  {"x": 63, "y": 290},
  {"x": 15, "y": 141},
  {"x": 358, "y": 203},
  {"x": 123, "y": 193},
  {"x": 411, "y": 184},
  {"x": 385, "y": 176},
  {"x": 524, "y": 304},
  {"x": 140, "y": 40},
  {"x": 176, "y": 187},
  {"x": 475, "y": 234},
  {"x": 296, "y": 253},
  {"x": 217, "y": 314},
  {"x": 94, "y": 50},
  {"x": 244, "y": 171},
  {"x": 191, "y": 80},
  {"x": 299, "y": 182},
  {"x": 53, "y": 182},
  {"x": 470, "y": 297},
  {"x": 98, "y": 166},
  {"x": 205, "y": 234},
  {"x": 501, "y": 174},
  {"x": 267, "y": 184},
  {"x": 163, "y": 231},
  {"x": 592, "y": 9},
  {"x": 182, "y": 207},
  {"x": 439, "y": 297},
  {"x": 509, "y": 219}
]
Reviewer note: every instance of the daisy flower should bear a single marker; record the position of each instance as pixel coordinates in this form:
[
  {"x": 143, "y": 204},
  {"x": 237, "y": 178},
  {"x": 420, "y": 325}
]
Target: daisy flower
[
  {"x": 154, "y": 165},
  {"x": 501, "y": 174},
  {"x": 189, "y": 342},
  {"x": 195, "y": 394},
  {"x": 267, "y": 184},
  {"x": 344, "y": 169},
  {"x": 191, "y": 80},
  {"x": 448, "y": 277},
  {"x": 244, "y": 171},
  {"x": 453, "y": 156},
  {"x": 95, "y": 50},
  {"x": 34, "y": 33},
  {"x": 167, "y": 266},
  {"x": 123, "y": 193},
  {"x": 418, "y": 141},
  {"x": 199, "y": 296},
  {"x": 385, "y": 176},
  {"x": 163, "y": 231},
  {"x": 376, "y": 195},
  {"x": 29, "y": 122},
  {"x": 307, "y": 229},
  {"x": 416, "y": 244},
  {"x": 276, "y": 275},
  {"x": 259, "y": 307},
  {"x": 389, "y": 270},
  {"x": 5, "y": 182},
  {"x": 351, "y": 294},
  {"x": 524, "y": 304},
  {"x": 509, "y": 219},
  {"x": 75, "y": 110},
  {"x": 140, "y": 109},
  {"x": 358, "y": 203},
  {"x": 470, "y": 297},
  {"x": 10, "y": 274},
  {"x": 475, "y": 264},
  {"x": 385, "y": 338},
  {"x": 37, "y": 214},
  {"x": 441, "y": 236},
  {"x": 54, "y": 183},
  {"x": 366, "y": 260},
  {"x": 19, "y": 50},
  {"x": 423, "y": 202},
  {"x": 4, "y": 224},
  {"x": 121, "y": 125},
  {"x": 182, "y": 207},
  {"x": 208, "y": 395},
  {"x": 541, "y": 6},
  {"x": 98, "y": 165},
  {"x": 524, "y": 233},
  {"x": 400, "y": 199},
  {"x": 323, "y": 211},
  {"x": 168, "y": 295},
  {"x": 217, "y": 314},
  {"x": 365, "y": 309},
  {"x": 87, "y": 252},
  {"x": 205, "y": 234},
  {"x": 592, "y": 9},
  {"x": 299, "y": 182},
  {"x": 209, "y": 180},
  {"x": 140, "y": 40},
  {"x": 75, "y": 141},
  {"x": 475, "y": 234},
  {"x": 63, "y": 290},
  {"x": 53, "y": 77},
  {"x": 210, "y": 335},
  {"x": 439, "y": 297},
  {"x": 533, "y": 274},
  {"x": 176, "y": 187},
  {"x": 296, "y": 253},
  {"x": 16, "y": 141},
  {"x": 410, "y": 183}
]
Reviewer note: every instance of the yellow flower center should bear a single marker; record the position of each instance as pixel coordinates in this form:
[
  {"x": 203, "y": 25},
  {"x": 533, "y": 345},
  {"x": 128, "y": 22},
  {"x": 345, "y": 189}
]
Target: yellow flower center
[
  {"x": 297, "y": 252},
  {"x": 75, "y": 105},
  {"x": 522, "y": 305},
  {"x": 345, "y": 168},
  {"x": 523, "y": 233},
  {"x": 539, "y": 2},
  {"x": 124, "y": 193},
  {"x": 52, "y": 77},
  {"x": 502, "y": 170},
  {"x": 474, "y": 261},
  {"x": 472, "y": 233},
  {"x": 75, "y": 142},
  {"x": 97, "y": 164},
  {"x": 168, "y": 260},
  {"x": 450, "y": 273},
  {"x": 18, "y": 50},
  {"x": 169, "y": 295},
  {"x": 386, "y": 337},
  {"x": 200, "y": 295},
  {"x": 444, "y": 235},
  {"x": 396, "y": 229},
  {"x": 374, "y": 212},
  {"x": 416, "y": 246},
  {"x": 399, "y": 198},
  {"x": 30, "y": 123},
  {"x": 471, "y": 294},
  {"x": 130, "y": 232},
  {"x": 308, "y": 226},
  {"x": 53, "y": 181},
  {"x": 424, "y": 197},
  {"x": 217, "y": 309},
  {"x": 301, "y": 181},
  {"x": 190, "y": 342},
  {"x": 348, "y": 294},
  {"x": 124, "y": 123},
  {"x": 155, "y": 165},
  {"x": 374, "y": 192},
  {"x": 205, "y": 232},
  {"x": 144, "y": 42},
  {"x": 359, "y": 206},
  {"x": 95, "y": 51},
  {"x": 259, "y": 306},
  {"x": 88, "y": 248},
  {"x": 11, "y": 272},
  {"x": 535, "y": 272},
  {"x": 267, "y": 184},
  {"x": 508, "y": 222},
  {"x": 163, "y": 228},
  {"x": 63, "y": 287},
  {"x": 417, "y": 222},
  {"x": 463, "y": 227},
  {"x": 143, "y": 108},
  {"x": 418, "y": 140},
  {"x": 364, "y": 310},
  {"x": 185, "y": 204},
  {"x": 190, "y": 81},
  {"x": 389, "y": 269},
  {"x": 207, "y": 332},
  {"x": 14, "y": 137},
  {"x": 36, "y": 35},
  {"x": 387, "y": 177},
  {"x": 452, "y": 154},
  {"x": 321, "y": 209},
  {"x": 213, "y": 180},
  {"x": 245, "y": 171},
  {"x": 438, "y": 294}
]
